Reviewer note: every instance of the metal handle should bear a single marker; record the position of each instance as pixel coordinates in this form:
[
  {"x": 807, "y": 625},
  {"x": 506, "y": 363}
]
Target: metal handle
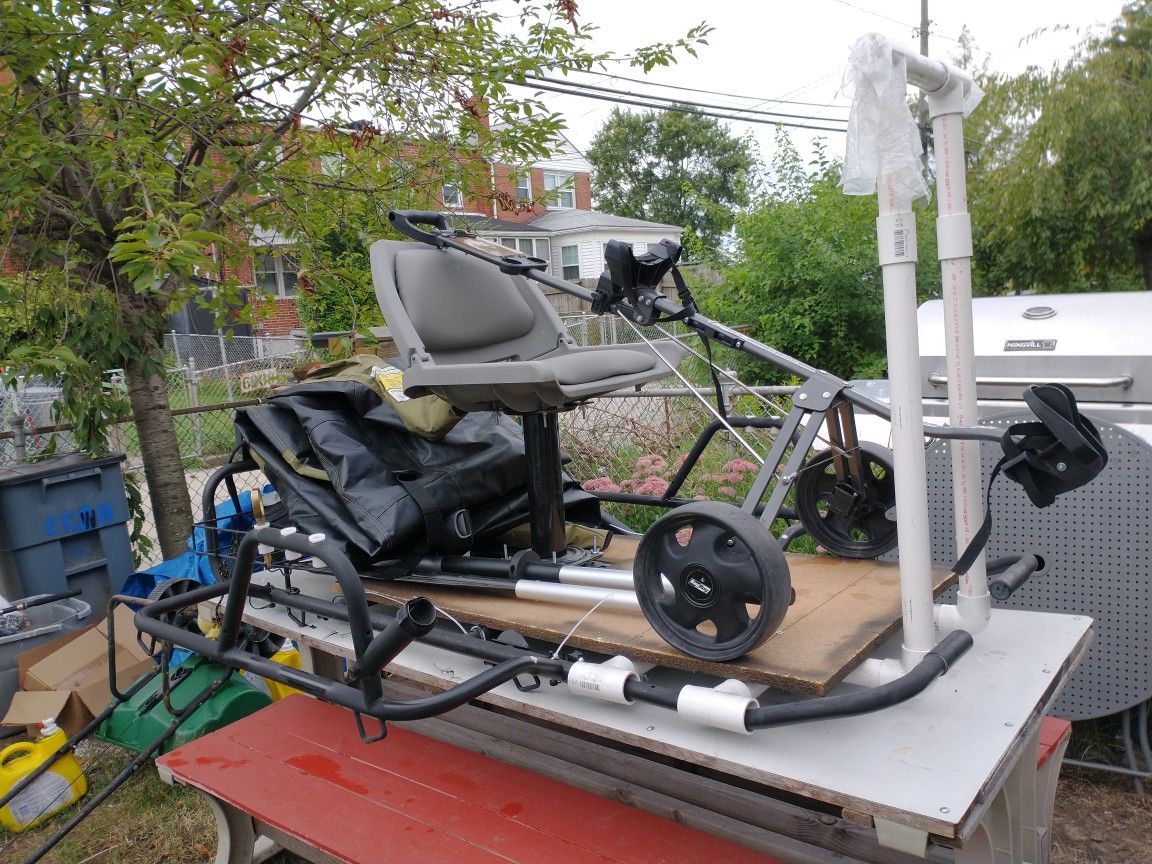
[
  {"x": 1125, "y": 381},
  {"x": 45, "y": 482},
  {"x": 405, "y": 221}
]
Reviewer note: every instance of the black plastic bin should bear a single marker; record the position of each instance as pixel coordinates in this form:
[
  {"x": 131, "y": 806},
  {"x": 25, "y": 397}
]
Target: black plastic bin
[{"x": 63, "y": 526}]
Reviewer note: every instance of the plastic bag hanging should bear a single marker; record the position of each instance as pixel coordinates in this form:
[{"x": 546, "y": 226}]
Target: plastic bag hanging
[{"x": 882, "y": 136}]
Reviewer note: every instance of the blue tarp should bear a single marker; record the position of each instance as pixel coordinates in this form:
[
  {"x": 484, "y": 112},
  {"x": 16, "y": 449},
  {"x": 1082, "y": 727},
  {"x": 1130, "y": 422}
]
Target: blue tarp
[{"x": 194, "y": 563}]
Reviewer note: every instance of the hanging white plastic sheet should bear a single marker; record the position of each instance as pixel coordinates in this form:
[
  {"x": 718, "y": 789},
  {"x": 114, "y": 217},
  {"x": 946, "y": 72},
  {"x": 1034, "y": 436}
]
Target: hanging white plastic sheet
[{"x": 882, "y": 136}]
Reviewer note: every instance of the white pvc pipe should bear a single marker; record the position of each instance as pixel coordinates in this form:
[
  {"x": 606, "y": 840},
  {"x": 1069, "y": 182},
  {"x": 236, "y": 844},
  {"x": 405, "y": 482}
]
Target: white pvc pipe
[
  {"x": 896, "y": 240},
  {"x": 874, "y": 672},
  {"x": 954, "y": 240}
]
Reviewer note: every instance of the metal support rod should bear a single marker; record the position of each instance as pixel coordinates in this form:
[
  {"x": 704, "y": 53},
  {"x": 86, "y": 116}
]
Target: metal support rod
[{"x": 545, "y": 483}]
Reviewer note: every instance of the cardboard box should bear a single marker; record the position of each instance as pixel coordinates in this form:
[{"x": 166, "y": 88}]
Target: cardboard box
[{"x": 67, "y": 678}]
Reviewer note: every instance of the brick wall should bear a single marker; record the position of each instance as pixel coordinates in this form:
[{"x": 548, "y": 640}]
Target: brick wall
[{"x": 277, "y": 318}]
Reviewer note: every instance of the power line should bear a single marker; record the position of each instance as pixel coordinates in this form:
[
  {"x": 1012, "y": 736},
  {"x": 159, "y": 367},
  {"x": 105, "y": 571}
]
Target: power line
[
  {"x": 757, "y": 99},
  {"x": 593, "y": 87},
  {"x": 683, "y": 109}
]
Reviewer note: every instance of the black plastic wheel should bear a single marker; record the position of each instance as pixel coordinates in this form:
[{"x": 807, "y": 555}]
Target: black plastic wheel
[
  {"x": 729, "y": 580},
  {"x": 849, "y": 519},
  {"x": 185, "y": 619}
]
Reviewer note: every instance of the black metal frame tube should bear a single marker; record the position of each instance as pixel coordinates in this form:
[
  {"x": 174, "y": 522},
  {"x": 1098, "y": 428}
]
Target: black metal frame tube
[
  {"x": 413, "y": 620},
  {"x": 225, "y": 473},
  {"x": 509, "y": 661},
  {"x": 1008, "y": 574},
  {"x": 934, "y": 664},
  {"x": 545, "y": 482}
]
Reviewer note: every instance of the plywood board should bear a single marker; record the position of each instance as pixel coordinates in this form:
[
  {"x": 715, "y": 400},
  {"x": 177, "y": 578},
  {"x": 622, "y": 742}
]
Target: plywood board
[{"x": 843, "y": 610}]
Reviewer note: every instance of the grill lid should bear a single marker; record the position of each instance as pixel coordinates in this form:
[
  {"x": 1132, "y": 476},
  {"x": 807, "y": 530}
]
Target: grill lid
[{"x": 1100, "y": 345}]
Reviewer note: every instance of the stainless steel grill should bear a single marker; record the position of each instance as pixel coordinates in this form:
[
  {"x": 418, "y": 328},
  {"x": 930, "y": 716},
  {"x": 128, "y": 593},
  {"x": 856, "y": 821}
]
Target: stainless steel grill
[{"x": 1097, "y": 539}]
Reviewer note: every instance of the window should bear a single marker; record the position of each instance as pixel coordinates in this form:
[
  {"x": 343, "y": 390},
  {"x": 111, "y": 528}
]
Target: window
[
  {"x": 570, "y": 262},
  {"x": 544, "y": 250},
  {"x": 528, "y": 246},
  {"x": 559, "y": 190},
  {"x": 524, "y": 187},
  {"x": 276, "y": 273},
  {"x": 453, "y": 197}
]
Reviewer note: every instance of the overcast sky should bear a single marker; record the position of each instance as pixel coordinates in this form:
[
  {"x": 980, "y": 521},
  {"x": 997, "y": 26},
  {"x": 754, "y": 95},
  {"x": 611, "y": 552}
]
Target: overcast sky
[{"x": 797, "y": 50}]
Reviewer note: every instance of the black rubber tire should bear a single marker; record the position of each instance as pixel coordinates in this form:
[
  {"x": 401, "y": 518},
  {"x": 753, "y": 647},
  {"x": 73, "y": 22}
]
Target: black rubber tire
[
  {"x": 729, "y": 562},
  {"x": 182, "y": 618},
  {"x": 865, "y": 532}
]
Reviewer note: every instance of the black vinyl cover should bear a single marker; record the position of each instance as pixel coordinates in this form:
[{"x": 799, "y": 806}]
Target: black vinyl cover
[{"x": 376, "y": 470}]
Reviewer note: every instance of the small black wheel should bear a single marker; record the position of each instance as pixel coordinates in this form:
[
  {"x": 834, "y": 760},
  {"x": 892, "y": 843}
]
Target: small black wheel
[
  {"x": 849, "y": 519},
  {"x": 185, "y": 618},
  {"x": 712, "y": 580}
]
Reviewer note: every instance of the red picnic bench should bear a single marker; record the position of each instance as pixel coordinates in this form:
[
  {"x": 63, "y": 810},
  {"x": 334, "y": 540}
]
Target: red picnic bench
[
  {"x": 296, "y": 775},
  {"x": 297, "y": 772}
]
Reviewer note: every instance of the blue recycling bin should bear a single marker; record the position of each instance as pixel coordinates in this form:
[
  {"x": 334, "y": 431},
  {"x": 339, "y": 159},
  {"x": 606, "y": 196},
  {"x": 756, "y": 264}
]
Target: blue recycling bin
[{"x": 63, "y": 525}]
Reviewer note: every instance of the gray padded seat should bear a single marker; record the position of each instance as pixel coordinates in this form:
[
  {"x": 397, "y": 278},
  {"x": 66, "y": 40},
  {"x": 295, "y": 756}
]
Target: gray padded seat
[{"x": 484, "y": 340}]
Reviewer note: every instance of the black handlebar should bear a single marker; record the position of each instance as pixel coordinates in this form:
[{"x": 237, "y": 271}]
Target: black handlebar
[
  {"x": 1008, "y": 574},
  {"x": 405, "y": 221}
]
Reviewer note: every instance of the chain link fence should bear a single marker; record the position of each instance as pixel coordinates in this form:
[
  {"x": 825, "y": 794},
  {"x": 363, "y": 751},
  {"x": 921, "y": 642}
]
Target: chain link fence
[{"x": 627, "y": 441}]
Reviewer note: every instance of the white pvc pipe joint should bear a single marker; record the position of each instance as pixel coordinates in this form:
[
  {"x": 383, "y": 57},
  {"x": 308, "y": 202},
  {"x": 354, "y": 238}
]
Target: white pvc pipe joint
[
  {"x": 721, "y": 707},
  {"x": 604, "y": 681}
]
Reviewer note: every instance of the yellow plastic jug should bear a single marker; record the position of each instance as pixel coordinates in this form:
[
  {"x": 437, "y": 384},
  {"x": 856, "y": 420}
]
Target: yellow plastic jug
[
  {"x": 49, "y": 793},
  {"x": 289, "y": 655}
]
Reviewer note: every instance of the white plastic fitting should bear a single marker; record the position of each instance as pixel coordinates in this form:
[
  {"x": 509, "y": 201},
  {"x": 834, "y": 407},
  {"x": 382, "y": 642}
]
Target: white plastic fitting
[
  {"x": 603, "y": 681},
  {"x": 289, "y": 555},
  {"x": 722, "y": 707},
  {"x": 969, "y": 613},
  {"x": 263, "y": 548},
  {"x": 317, "y": 538},
  {"x": 873, "y": 672}
]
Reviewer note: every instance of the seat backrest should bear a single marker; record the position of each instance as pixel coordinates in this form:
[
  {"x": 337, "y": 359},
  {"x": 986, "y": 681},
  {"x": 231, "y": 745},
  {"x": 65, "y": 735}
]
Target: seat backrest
[{"x": 444, "y": 307}]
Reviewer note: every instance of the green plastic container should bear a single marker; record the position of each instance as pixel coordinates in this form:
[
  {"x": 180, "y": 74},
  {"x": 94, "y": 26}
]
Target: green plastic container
[{"x": 135, "y": 724}]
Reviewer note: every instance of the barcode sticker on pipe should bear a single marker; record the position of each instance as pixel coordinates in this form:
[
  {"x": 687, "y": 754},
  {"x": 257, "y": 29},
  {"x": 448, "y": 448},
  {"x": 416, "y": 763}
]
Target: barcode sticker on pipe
[{"x": 896, "y": 238}]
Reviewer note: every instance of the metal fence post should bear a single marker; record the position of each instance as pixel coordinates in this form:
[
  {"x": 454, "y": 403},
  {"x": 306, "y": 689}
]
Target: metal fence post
[
  {"x": 192, "y": 379},
  {"x": 224, "y": 366},
  {"x": 19, "y": 441},
  {"x": 117, "y": 443},
  {"x": 176, "y": 348}
]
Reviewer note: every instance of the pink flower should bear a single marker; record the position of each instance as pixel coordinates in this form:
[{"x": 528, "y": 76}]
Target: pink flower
[
  {"x": 727, "y": 491},
  {"x": 740, "y": 466},
  {"x": 600, "y": 484},
  {"x": 651, "y": 464},
  {"x": 652, "y": 486}
]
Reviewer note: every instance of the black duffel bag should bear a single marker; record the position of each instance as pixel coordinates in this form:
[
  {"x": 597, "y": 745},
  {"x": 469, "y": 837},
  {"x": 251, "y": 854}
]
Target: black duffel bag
[{"x": 345, "y": 465}]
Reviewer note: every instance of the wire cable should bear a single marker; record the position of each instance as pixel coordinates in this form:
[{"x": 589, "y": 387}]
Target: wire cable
[
  {"x": 760, "y": 100},
  {"x": 690, "y": 104},
  {"x": 685, "y": 110}
]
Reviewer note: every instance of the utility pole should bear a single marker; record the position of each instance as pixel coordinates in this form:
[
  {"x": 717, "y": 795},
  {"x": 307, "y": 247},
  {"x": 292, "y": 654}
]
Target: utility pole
[{"x": 922, "y": 108}]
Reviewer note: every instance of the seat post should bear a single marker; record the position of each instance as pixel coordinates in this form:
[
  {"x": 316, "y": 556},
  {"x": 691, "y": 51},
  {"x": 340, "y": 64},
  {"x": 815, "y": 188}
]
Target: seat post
[{"x": 545, "y": 482}]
